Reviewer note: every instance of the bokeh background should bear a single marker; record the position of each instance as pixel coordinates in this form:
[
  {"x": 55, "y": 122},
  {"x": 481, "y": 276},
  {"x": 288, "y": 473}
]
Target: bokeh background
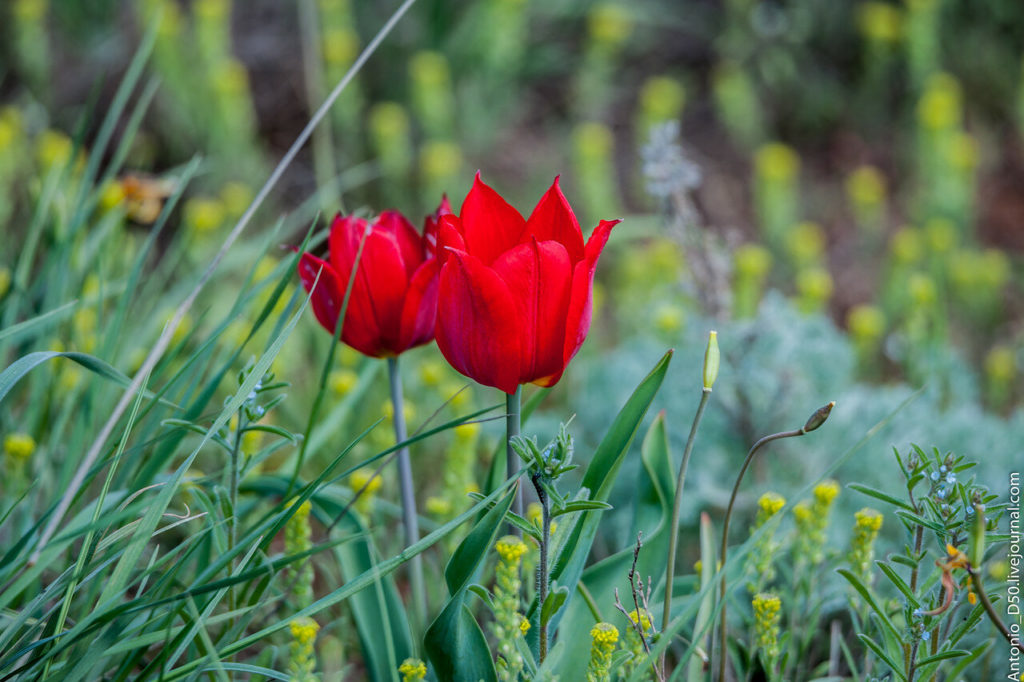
[{"x": 836, "y": 187}]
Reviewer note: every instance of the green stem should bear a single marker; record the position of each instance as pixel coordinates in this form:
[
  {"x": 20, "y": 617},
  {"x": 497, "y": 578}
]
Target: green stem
[
  {"x": 724, "y": 628},
  {"x": 542, "y": 567},
  {"x": 513, "y": 403},
  {"x": 673, "y": 529},
  {"x": 409, "y": 517}
]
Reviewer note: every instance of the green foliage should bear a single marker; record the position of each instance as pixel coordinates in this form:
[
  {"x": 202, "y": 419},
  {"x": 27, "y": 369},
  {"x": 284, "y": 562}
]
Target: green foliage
[{"x": 171, "y": 510}]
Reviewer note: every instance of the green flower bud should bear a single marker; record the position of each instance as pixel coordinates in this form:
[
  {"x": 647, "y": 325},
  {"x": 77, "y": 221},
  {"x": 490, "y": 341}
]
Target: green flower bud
[
  {"x": 712, "y": 359},
  {"x": 819, "y": 417}
]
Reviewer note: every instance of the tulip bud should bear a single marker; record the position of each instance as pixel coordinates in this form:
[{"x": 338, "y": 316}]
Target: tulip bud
[
  {"x": 818, "y": 418},
  {"x": 712, "y": 359}
]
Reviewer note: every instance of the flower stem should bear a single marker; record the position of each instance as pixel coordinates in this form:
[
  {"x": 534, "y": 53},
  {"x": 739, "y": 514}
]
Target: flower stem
[
  {"x": 542, "y": 566},
  {"x": 513, "y": 403},
  {"x": 673, "y": 529},
  {"x": 409, "y": 518},
  {"x": 724, "y": 627}
]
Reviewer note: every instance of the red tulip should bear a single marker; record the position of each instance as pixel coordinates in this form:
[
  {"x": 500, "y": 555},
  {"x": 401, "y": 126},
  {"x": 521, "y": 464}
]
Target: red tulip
[
  {"x": 393, "y": 302},
  {"x": 514, "y": 296}
]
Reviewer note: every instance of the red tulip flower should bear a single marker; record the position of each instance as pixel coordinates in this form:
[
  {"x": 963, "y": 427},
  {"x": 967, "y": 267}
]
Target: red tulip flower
[
  {"x": 393, "y": 302},
  {"x": 514, "y": 298}
]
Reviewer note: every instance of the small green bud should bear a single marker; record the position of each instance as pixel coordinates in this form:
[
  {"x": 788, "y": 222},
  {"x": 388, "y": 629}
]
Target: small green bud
[
  {"x": 819, "y": 417},
  {"x": 712, "y": 359}
]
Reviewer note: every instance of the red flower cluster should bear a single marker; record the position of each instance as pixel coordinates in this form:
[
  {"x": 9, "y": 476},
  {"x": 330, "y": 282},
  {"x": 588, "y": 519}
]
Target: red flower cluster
[{"x": 511, "y": 297}]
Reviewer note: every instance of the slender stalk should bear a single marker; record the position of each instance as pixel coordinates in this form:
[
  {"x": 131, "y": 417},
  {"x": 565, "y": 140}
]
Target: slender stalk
[
  {"x": 513, "y": 403},
  {"x": 975, "y": 573},
  {"x": 233, "y": 487},
  {"x": 673, "y": 529},
  {"x": 723, "y": 630},
  {"x": 542, "y": 566},
  {"x": 409, "y": 518}
]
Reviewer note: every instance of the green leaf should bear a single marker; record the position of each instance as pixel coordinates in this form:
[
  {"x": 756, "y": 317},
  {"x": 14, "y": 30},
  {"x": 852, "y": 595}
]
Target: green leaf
[
  {"x": 900, "y": 584},
  {"x": 870, "y": 599},
  {"x": 43, "y": 320},
  {"x": 554, "y": 601},
  {"x": 874, "y": 646},
  {"x": 921, "y": 521},
  {"x": 879, "y": 495},
  {"x": 906, "y": 561},
  {"x": 708, "y": 560},
  {"x": 580, "y": 506},
  {"x": 655, "y": 490},
  {"x": 454, "y": 642},
  {"x": 943, "y": 656},
  {"x": 600, "y": 474},
  {"x": 23, "y": 365}
]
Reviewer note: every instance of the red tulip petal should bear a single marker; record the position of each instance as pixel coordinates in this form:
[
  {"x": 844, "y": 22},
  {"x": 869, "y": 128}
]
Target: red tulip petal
[
  {"x": 410, "y": 243},
  {"x": 419, "y": 313},
  {"x": 432, "y": 223},
  {"x": 373, "y": 320},
  {"x": 326, "y": 298},
  {"x": 553, "y": 219},
  {"x": 490, "y": 225},
  {"x": 380, "y": 287},
  {"x": 578, "y": 320},
  {"x": 343, "y": 240},
  {"x": 449, "y": 236},
  {"x": 539, "y": 277},
  {"x": 477, "y": 323}
]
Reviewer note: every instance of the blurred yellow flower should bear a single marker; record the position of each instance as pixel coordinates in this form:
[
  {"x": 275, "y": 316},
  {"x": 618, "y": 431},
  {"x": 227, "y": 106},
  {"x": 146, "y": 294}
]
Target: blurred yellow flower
[
  {"x": 19, "y": 446},
  {"x": 610, "y": 24},
  {"x": 866, "y": 322},
  {"x": 880, "y": 21},
  {"x": 342, "y": 381},
  {"x": 865, "y": 186},
  {"x": 203, "y": 215},
  {"x": 939, "y": 107},
  {"x": 340, "y": 46},
  {"x": 776, "y": 161},
  {"x": 1001, "y": 364}
]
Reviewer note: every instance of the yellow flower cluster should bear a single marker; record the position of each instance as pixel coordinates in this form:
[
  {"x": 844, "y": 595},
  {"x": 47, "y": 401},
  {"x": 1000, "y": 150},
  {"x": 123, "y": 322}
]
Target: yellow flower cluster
[
  {"x": 825, "y": 492},
  {"x": 304, "y": 630},
  {"x": 868, "y": 519},
  {"x": 867, "y": 523},
  {"x": 812, "y": 520},
  {"x": 511, "y": 549},
  {"x": 603, "y": 637},
  {"x": 412, "y": 670},
  {"x": 298, "y": 539},
  {"x": 767, "y": 609},
  {"x": 641, "y": 617},
  {"x": 509, "y": 624},
  {"x": 604, "y": 634},
  {"x": 769, "y": 505},
  {"x": 302, "y": 663}
]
